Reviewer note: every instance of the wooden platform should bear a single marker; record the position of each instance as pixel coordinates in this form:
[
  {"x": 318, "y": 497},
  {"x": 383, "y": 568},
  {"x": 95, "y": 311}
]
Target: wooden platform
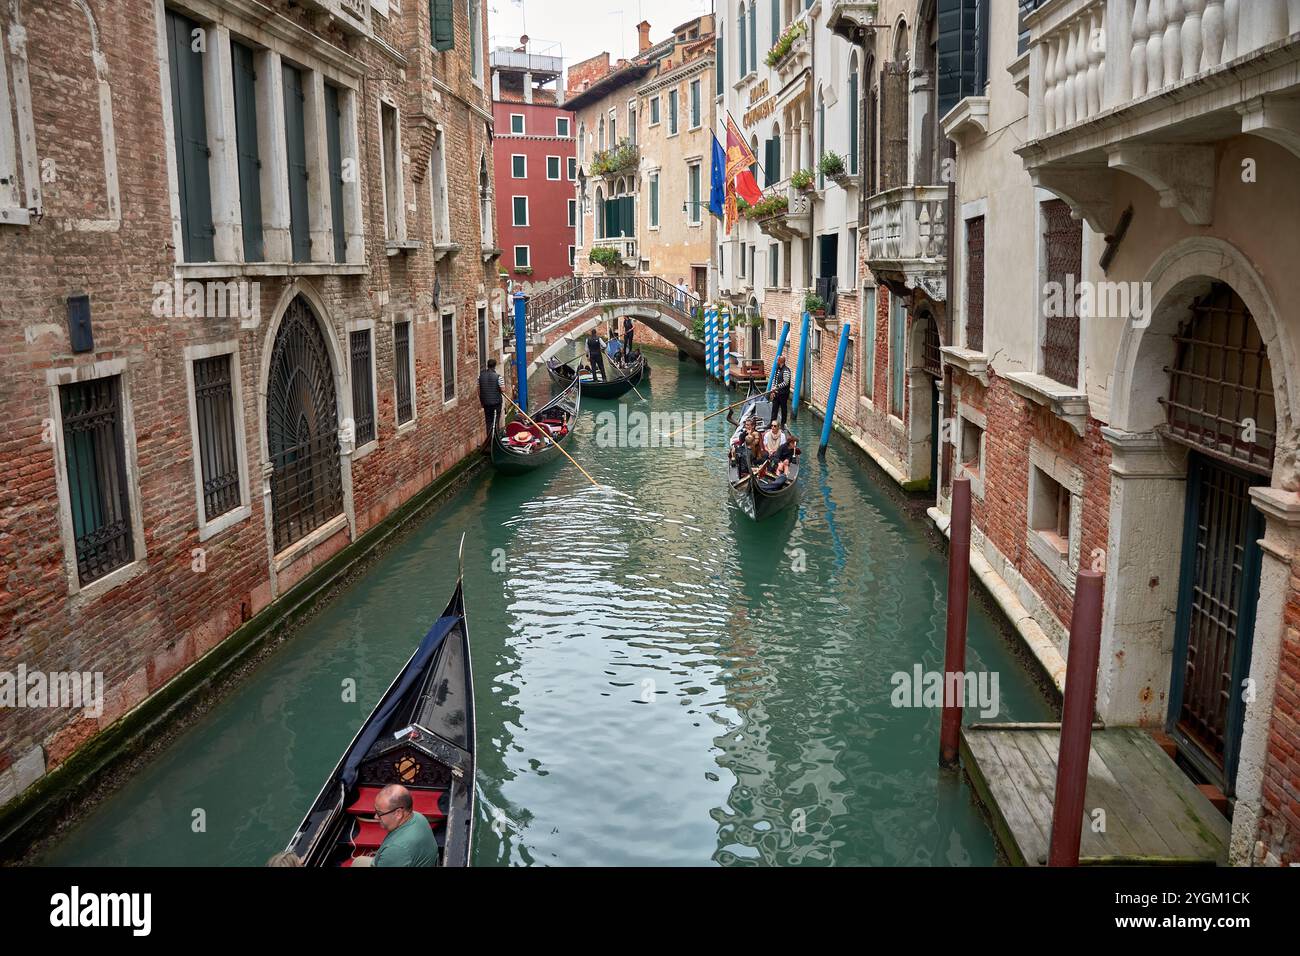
[{"x": 1154, "y": 813}]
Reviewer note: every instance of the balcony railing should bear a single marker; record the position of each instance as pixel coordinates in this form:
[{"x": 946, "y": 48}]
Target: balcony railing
[
  {"x": 1088, "y": 56},
  {"x": 908, "y": 224},
  {"x": 626, "y": 247}
]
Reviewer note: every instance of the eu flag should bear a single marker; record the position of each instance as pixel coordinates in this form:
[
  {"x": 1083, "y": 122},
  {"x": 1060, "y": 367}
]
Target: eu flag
[{"x": 718, "y": 180}]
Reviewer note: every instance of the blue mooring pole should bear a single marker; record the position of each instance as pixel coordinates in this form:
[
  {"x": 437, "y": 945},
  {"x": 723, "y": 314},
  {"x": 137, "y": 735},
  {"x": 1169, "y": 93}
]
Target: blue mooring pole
[
  {"x": 780, "y": 350},
  {"x": 521, "y": 349},
  {"x": 835, "y": 388},
  {"x": 799, "y": 366}
]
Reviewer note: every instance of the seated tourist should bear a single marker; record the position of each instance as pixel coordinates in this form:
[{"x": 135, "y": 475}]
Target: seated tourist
[
  {"x": 773, "y": 438},
  {"x": 786, "y": 456}
]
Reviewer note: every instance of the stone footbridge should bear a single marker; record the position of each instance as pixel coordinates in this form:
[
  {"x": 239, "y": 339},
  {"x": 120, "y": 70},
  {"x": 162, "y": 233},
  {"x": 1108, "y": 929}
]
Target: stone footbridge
[{"x": 560, "y": 317}]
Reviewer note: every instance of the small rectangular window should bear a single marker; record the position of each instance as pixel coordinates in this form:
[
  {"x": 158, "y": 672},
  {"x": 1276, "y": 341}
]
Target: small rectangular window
[
  {"x": 517, "y": 124},
  {"x": 573, "y": 257},
  {"x": 1049, "y": 510},
  {"x": 483, "y": 335},
  {"x": 562, "y": 127},
  {"x": 392, "y": 171},
  {"x": 654, "y": 200},
  {"x": 695, "y": 104},
  {"x": 523, "y": 259},
  {"x": 975, "y": 283},
  {"x": 402, "y": 372},
  {"x": 553, "y": 168},
  {"x": 448, "y": 356},
  {"x": 672, "y": 113},
  {"x": 573, "y": 170},
  {"x": 363, "y": 388},
  {"x": 972, "y": 447},
  {"x": 654, "y": 111},
  {"x": 95, "y": 457},
  {"x": 520, "y": 208},
  {"x": 573, "y": 212},
  {"x": 518, "y": 166},
  {"x": 214, "y": 410},
  {"x": 693, "y": 194}
]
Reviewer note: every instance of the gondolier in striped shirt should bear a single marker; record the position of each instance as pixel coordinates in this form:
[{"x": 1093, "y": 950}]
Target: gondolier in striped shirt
[{"x": 781, "y": 391}]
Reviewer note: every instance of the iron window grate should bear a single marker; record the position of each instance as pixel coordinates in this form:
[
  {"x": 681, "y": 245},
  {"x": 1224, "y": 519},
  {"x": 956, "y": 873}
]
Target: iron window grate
[
  {"x": 1221, "y": 386},
  {"x": 98, "y": 496},
  {"x": 363, "y": 393},
  {"x": 302, "y": 429},
  {"x": 214, "y": 407},
  {"x": 1064, "y": 240},
  {"x": 975, "y": 284},
  {"x": 402, "y": 371}
]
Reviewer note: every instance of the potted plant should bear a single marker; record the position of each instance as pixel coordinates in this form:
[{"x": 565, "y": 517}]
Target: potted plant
[
  {"x": 785, "y": 43},
  {"x": 802, "y": 179},
  {"x": 815, "y": 305},
  {"x": 523, "y": 270},
  {"x": 832, "y": 165},
  {"x": 606, "y": 257}
]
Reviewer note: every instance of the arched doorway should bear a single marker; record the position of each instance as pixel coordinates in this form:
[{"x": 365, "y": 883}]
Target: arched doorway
[
  {"x": 302, "y": 428},
  {"x": 1220, "y": 407}
]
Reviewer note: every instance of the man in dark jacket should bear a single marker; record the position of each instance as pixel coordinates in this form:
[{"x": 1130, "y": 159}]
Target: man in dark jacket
[
  {"x": 629, "y": 328},
  {"x": 781, "y": 391},
  {"x": 596, "y": 355},
  {"x": 491, "y": 388}
]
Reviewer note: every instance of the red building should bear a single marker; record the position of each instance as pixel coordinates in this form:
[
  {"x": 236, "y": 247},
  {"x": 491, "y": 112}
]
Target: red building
[{"x": 536, "y": 167}]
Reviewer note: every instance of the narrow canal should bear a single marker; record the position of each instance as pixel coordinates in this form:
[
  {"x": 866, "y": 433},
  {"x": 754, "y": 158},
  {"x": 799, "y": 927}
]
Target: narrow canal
[{"x": 659, "y": 680}]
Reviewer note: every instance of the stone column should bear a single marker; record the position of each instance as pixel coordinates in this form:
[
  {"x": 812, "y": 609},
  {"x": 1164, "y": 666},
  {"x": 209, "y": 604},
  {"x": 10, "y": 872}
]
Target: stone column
[
  {"x": 1281, "y": 510},
  {"x": 273, "y": 153},
  {"x": 1142, "y": 563}
]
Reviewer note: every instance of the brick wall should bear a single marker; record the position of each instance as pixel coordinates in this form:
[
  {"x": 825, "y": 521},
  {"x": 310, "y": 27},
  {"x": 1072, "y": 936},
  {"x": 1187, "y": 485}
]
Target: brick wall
[{"x": 143, "y": 632}]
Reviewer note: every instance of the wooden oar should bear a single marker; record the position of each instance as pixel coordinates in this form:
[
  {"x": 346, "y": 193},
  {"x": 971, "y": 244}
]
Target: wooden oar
[
  {"x": 553, "y": 441},
  {"x": 747, "y": 398},
  {"x": 626, "y": 379}
]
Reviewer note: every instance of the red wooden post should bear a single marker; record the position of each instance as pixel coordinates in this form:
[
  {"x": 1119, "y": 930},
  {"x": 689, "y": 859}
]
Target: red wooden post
[
  {"x": 954, "y": 656},
  {"x": 1076, "y": 720}
]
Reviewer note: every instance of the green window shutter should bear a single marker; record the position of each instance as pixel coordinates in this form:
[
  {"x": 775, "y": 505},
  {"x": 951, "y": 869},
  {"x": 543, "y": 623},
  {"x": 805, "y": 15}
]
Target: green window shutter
[
  {"x": 628, "y": 219},
  {"x": 744, "y": 59},
  {"x": 776, "y": 159},
  {"x": 296, "y": 149},
  {"x": 776, "y": 21},
  {"x": 191, "y": 131},
  {"x": 334, "y": 147},
  {"x": 719, "y": 66},
  {"x": 440, "y": 20},
  {"x": 654, "y": 201},
  {"x": 853, "y": 123},
  {"x": 250, "y": 163}
]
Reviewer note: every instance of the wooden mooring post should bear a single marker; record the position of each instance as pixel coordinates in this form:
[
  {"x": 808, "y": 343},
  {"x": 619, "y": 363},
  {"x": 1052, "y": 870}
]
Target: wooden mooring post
[
  {"x": 1076, "y": 719},
  {"x": 954, "y": 656}
]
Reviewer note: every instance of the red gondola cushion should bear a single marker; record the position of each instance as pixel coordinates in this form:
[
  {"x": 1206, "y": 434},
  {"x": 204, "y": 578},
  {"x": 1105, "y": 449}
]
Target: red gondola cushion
[{"x": 422, "y": 801}]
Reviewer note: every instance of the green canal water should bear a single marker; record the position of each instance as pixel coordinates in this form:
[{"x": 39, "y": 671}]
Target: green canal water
[{"x": 659, "y": 680}]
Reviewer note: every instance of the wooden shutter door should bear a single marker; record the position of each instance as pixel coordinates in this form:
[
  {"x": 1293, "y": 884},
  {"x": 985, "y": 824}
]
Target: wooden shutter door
[
  {"x": 191, "y": 132},
  {"x": 250, "y": 163},
  {"x": 296, "y": 142},
  {"x": 893, "y": 122}
]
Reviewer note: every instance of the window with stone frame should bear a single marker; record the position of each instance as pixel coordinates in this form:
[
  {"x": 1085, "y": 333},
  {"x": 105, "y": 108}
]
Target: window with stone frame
[{"x": 1063, "y": 259}]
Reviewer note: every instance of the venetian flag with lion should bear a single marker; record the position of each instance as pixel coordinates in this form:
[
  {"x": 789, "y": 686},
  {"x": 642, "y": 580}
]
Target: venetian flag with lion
[{"x": 739, "y": 158}]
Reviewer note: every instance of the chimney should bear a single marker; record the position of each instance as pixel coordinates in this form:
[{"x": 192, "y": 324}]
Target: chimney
[{"x": 643, "y": 33}]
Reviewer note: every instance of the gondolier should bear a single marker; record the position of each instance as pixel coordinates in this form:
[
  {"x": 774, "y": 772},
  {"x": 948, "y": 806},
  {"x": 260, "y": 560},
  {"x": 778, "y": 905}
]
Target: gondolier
[
  {"x": 491, "y": 388},
  {"x": 629, "y": 329},
  {"x": 596, "y": 355},
  {"x": 781, "y": 390}
]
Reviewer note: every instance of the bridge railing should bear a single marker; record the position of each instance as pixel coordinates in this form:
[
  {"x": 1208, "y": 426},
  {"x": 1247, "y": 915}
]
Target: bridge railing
[{"x": 573, "y": 293}]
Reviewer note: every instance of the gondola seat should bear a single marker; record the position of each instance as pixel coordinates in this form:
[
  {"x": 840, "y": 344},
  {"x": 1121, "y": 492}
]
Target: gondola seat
[{"x": 422, "y": 801}]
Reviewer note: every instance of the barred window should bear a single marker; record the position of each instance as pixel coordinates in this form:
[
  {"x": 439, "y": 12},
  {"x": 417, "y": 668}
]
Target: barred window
[
  {"x": 1063, "y": 239},
  {"x": 95, "y": 455},
  {"x": 402, "y": 371},
  {"x": 363, "y": 393},
  {"x": 215, "y": 418},
  {"x": 975, "y": 284},
  {"x": 483, "y": 332},
  {"x": 448, "y": 356}
]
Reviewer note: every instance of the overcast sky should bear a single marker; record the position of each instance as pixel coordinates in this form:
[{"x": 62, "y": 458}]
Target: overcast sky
[{"x": 585, "y": 27}]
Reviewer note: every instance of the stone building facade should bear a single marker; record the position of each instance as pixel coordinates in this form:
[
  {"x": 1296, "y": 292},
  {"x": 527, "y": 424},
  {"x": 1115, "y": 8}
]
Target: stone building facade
[{"x": 250, "y": 262}]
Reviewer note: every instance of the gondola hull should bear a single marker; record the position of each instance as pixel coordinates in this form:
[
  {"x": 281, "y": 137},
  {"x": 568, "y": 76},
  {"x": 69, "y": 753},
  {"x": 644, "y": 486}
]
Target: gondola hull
[
  {"x": 510, "y": 459},
  {"x": 421, "y": 735},
  {"x": 762, "y": 498},
  {"x": 619, "y": 381}
]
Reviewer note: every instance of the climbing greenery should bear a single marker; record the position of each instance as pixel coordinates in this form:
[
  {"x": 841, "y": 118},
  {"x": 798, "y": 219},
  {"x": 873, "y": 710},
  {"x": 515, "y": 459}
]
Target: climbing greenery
[
  {"x": 832, "y": 164},
  {"x": 605, "y": 256},
  {"x": 623, "y": 156},
  {"x": 785, "y": 43}
]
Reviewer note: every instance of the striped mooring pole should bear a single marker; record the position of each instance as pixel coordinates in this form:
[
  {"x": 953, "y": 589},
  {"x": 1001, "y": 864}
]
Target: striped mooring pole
[
  {"x": 521, "y": 350},
  {"x": 710, "y": 330},
  {"x": 725, "y": 352}
]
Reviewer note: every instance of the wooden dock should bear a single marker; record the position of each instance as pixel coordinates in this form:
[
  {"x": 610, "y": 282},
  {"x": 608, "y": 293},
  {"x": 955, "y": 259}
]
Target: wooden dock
[{"x": 1154, "y": 814}]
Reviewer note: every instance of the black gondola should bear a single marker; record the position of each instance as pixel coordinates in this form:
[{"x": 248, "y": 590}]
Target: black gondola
[
  {"x": 761, "y": 498},
  {"x": 619, "y": 379},
  {"x": 519, "y": 445},
  {"x": 420, "y": 735}
]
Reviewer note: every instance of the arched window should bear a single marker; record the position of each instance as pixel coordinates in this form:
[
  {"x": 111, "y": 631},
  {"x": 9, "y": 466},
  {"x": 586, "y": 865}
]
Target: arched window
[
  {"x": 902, "y": 46},
  {"x": 854, "y": 113},
  {"x": 302, "y": 428},
  {"x": 582, "y": 144},
  {"x": 774, "y": 156},
  {"x": 600, "y": 213}
]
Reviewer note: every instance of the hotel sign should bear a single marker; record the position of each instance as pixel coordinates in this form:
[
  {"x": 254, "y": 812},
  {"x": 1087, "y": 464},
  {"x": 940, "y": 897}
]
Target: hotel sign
[{"x": 761, "y": 105}]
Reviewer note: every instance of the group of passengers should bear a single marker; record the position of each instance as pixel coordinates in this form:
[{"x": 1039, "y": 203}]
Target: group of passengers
[
  {"x": 767, "y": 453},
  {"x": 620, "y": 352}
]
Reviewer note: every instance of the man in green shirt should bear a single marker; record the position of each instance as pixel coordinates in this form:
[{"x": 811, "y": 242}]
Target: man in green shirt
[{"x": 410, "y": 839}]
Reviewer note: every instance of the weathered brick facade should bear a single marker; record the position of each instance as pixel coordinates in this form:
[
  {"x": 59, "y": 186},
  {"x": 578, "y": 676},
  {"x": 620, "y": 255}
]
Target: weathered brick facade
[{"x": 105, "y": 230}]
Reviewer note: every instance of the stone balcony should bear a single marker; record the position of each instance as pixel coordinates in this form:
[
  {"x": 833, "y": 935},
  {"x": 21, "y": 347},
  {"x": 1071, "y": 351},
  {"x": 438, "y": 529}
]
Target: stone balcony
[
  {"x": 1148, "y": 87},
  {"x": 353, "y": 16},
  {"x": 793, "y": 222},
  {"x": 907, "y": 237},
  {"x": 625, "y": 245},
  {"x": 847, "y": 18}
]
